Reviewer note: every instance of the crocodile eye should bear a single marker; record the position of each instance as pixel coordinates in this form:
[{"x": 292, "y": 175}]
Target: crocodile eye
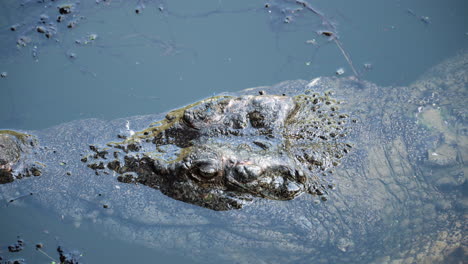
[{"x": 206, "y": 169}]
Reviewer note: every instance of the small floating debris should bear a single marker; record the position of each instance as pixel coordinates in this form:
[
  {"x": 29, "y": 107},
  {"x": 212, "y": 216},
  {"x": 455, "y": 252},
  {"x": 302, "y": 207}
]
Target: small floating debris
[
  {"x": 14, "y": 27},
  {"x": 92, "y": 36},
  {"x": 23, "y": 41},
  {"x": 139, "y": 9},
  {"x": 424, "y": 19},
  {"x": 16, "y": 247},
  {"x": 311, "y": 41},
  {"x": 65, "y": 9},
  {"x": 326, "y": 33},
  {"x": 43, "y": 18},
  {"x": 71, "y": 55},
  {"x": 340, "y": 71},
  {"x": 71, "y": 24},
  {"x": 367, "y": 66},
  {"x": 41, "y": 29}
]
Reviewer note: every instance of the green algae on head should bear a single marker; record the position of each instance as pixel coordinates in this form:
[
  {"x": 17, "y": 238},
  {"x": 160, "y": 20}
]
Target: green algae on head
[{"x": 21, "y": 136}]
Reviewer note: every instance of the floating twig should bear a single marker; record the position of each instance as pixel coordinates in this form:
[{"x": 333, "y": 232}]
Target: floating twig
[
  {"x": 19, "y": 197},
  {"x": 45, "y": 254},
  {"x": 330, "y": 34}
]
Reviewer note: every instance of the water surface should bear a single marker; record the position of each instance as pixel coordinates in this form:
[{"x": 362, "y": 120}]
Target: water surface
[{"x": 177, "y": 52}]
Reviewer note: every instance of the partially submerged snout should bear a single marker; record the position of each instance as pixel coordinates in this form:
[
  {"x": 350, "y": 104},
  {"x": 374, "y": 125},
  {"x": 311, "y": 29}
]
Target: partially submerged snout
[
  {"x": 276, "y": 182},
  {"x": 255, "y": 173}
]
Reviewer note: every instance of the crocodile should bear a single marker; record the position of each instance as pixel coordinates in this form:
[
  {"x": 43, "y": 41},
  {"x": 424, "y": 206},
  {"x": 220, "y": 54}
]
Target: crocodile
[{"x": 328, "y": 170}]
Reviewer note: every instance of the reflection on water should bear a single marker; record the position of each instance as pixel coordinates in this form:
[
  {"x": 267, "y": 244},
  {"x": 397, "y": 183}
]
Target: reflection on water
[{"x": 112, "y": 59}]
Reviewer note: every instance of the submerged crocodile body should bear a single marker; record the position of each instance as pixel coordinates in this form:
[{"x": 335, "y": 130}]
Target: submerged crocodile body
[{"x": 398, "y": 194}]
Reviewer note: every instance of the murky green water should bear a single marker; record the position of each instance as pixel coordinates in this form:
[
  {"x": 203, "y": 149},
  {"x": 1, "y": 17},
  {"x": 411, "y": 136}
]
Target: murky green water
[{"x": 177, "y": 52}]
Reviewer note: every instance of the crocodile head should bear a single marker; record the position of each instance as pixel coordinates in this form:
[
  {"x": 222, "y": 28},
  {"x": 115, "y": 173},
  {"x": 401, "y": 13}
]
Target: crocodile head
[{"x": 223, "y": 152}]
